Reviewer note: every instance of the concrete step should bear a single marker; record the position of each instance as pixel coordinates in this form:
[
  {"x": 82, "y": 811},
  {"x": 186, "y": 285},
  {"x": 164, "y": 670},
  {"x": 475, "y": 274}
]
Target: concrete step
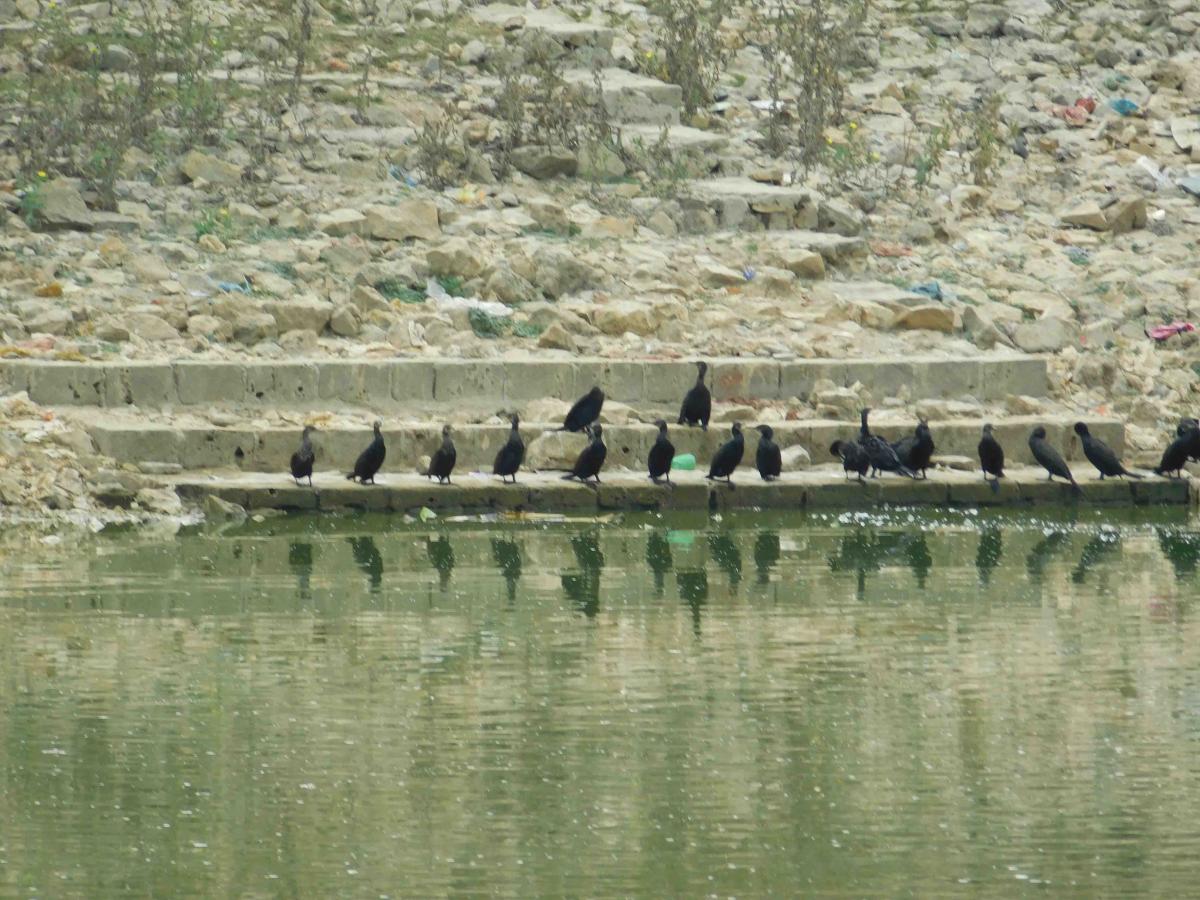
[
  {"x": 392, "y": 384},
  {"x": 269, "y": 449},
  {"x": 819, "y": 488}
]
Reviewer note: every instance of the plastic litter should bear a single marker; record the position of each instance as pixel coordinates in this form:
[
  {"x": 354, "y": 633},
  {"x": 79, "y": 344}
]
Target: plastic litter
[
  {"x": 1162, "y": 332},
  {"x": 229, "y": 287},
  {"x": 1123, "y": 105},
  {"x": 684, "y": 462},
  {"x": 929, "y": 289},
  {"x": 442, "y": 300}
]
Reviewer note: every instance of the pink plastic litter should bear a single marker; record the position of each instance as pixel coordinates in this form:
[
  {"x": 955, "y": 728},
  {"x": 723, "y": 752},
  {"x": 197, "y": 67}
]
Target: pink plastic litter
[{"x": 1162, "y": 332}]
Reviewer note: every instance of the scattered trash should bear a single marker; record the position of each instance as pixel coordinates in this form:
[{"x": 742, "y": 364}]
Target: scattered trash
[
  {"x": 1123, "y": 106},
  {"x": 1162, "y": 332},
  {"x": 1088, "y": 103},
  {"x": 399, "y": 174},
  {"x": 228, "y": 287},
  {"x": 684, "y": 462},
  {"x": 1076, "y": 115},
  {"x": 929, "y": 289},
  {"x": 1151, "y": 168},
  {"x": 681, "y": 538},
  {"x": 426, "y": 514},
  {"x": 1190, "y": 186},
  {"x": 1078, "y": 255},
  {"x": 887, "y": 248},
  {"x": 748, "y": 273},
  {"x": 445, "y": 301}
]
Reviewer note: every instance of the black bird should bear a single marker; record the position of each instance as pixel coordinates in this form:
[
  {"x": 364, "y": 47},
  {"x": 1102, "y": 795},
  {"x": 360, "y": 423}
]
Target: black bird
[
  {"x": 880, "y": 453},
  {"x": 585, "y": 411},
  {"x": 661, "y": 455},
  {"x": 991, "y": 458},
  {"x": 1100, "y": 455},
  {"x": 1049, "y": 458},
  {"x": 511, "y": 455},
  {"x": 302, "y": 459},
  {"x": 853, "y": 456},
  {"x": 371, "y": 459},
  {"x": 591, "y": 458},
  {"x": 441, "y": 464},
  {"x": 1190, "y": 426},
  {"x": 697, "y": 403},
  {"x": 1176, "y": 455},
  {"x": 916, "y": 450},
  {"x": 728, "y": 457},
  {"x": 768, "y": 458}
]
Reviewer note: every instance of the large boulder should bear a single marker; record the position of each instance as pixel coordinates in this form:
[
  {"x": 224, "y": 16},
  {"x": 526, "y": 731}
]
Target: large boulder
[
  {"x": 62, "y": 206},
  {"x": 409, "y": 219},
  {"x": 198, "y": 166},
  {"x": 554, "y": 450}
]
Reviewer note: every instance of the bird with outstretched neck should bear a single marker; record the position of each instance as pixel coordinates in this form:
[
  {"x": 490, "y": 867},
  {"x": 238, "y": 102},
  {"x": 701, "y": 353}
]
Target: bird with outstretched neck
[
  {"x": 441, "y": 464},
  {"x": 728, "y": 457},
  {"x": 591, "y": 458},
  {"x": 661, "y": 455},
  {"x": 697, "y": 403},
  {"x": 1101, "y": 456},
  {"x": 880, "y": 453},
  {"x": 853, "y": 456},
  {"x": 1178, "y": 452},
  {"x": 585, "y": 411},
  {"x": 371, "y": 459},
  {"x": 991, "y": 458},
  {"x": 768, "y": 459},
  {"x": 1050, "y": 459},
  {"x": 302, "y": 459},
  {"x": 511, "y": 455},
  {"x": 916, "y": 450}
]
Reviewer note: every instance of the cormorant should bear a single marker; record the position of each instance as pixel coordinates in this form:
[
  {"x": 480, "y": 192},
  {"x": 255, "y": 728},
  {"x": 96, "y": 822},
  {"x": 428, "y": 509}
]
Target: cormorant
[
  {"x": 585, "y": 411},
  {"x": 1176, "y": 455},
  {"x": 511, "y": 455},
  {"x": 768, "y": 458},
  {"x": 879, "y": 452},
  {"x": 916, "y": 450},
  {"x": 441, "y": 464},
  {"x": 1190, "y": 426},
  {"x": 371, "y": 459},
  {"x": 1100, "y": 455},
  {"x": 591, "y": 458},
  {"x": 697, "y": 403},
  {"x": 854, "y": 458},
  {"x": 661, "y": 455},
  {"x": 991, "y": 458},
  {"x": 1049, "y": 458},
  {"x": 302, "y": 459},
  {"x": 728, "y": 457}
]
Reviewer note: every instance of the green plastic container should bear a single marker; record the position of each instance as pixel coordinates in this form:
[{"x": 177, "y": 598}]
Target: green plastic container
[{"x": 684, "y": 462}]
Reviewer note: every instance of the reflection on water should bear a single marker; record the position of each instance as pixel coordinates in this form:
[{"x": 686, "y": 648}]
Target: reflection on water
[{"x": 891, "y": 706}]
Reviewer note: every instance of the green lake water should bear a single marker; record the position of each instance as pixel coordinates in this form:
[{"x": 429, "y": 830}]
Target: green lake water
[{"x": 861, "y": 705}]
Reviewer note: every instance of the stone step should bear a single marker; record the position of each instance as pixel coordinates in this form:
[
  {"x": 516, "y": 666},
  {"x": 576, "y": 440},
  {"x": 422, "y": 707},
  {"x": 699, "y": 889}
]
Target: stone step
[
  {"x": 392, "y": 384},
  {"x": 269, "y": 449},
  {"x": 819, "y": 488}
]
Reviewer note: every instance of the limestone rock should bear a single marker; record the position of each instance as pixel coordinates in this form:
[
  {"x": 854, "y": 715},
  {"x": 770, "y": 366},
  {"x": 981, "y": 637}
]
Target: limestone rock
[
  {"x": 209, "y": 327},
  {"x": 62, "y": 206},
  {"x": 714, "y": 274},
  {"x": 218, "y": 510},
  {"x": 300, "y": 315},
  {"x": 341, "y": 222},
  {"x": 507, "y": 286},
  {"x": 454, "y": 257},
  {"x": 159, "y": 500},
  {"x": 930, "y": 317},
  {"x": 545, "y": 162},
  {"x": 203, "y": 166},
  {"x": 838, "y": 217},
  {"x": 559, "y": 272},
  {"x": 558, "y": 338},
  {"x": 50, "y": 320},
  {"x": 251, "y": 326},
  {"x": 409, "y": 219},
  {"x": 345, "y": 321},
  {"x": 1046, "y": 335},
  {"x": 804, "y": 263},
  {"x": 554, "y": 450},
  {"x": 795, "y": 458},
  {"x": 1086, "y": 215},
  {"x": 148, "y": 267},
  {"x": 1127, "y": 214},
  {"x": 623, "y": 316},
  {"x": 151, "y": 327}
]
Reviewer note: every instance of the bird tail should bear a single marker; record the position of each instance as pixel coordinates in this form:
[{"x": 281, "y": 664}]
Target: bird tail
[
  {"x": 1076, "y": 489},
  {"x": 350, "y": 476},
  {"x": 906, "y": 472},
  {"x": 568, "y": 476},
  {"x": 995, "y": 485},
  {"x": 1129, "y": 474}
]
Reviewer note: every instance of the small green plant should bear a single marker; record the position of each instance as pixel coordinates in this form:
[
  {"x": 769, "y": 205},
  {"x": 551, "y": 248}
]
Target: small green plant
[
  {"x": 394, "y": 289},
  {"x": 984, "y": 131},
  {"x": 528, "y": 329},
  {"x": 690, "y": 51},
  {"x": 32, "y": 201},
  {"x": 440, "y": 152},
  {"x": 485, "y": 325},
  {"x": 452, "y": 285},
  {"x": 216, "y": 222}
]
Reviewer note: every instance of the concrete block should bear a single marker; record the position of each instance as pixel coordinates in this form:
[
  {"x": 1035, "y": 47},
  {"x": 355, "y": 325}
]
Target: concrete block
[
  {"x": 293, "y": 384},
  {"x": 209, "y": 382},
  {"x": 623, "y": 382},
  {"x": 415, "y": 380},
  {"x": 342, "y": 381},
  {"x": 668, "y": 382},
  {"x": 15, "y": 375},
  {"x": 217, "y": 448},
  {"x": 458, "y": 379},
  {"x": 532, "y": 380},
  {"x": 796, "y": 379},
  {"x": 67, "y": 384},
  {"x": 146, "y": 443},
  {"x": 737, "y": 379},
  {"x": 882, "y": 379},
  {"x": 146, "y": 385}
]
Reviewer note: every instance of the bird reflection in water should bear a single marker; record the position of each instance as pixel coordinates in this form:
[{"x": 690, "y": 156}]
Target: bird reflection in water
[
  {"x": 1100, "y": 546},
  {"x": 300, "y": 561},
  {"x": 583, "y": 587},
  {"x": 920, "y": 560},
  {"x": 987, "y": 555},
  {"x": 367, "y": 558},
  {"x": 659, "y": 559},
  {"x": 766, "y": 554},
  {"x": 507, "y": 555},
  {"x": 693, "y": 590},
  {"x": 863, "y": 552},
  {"x": 441, "y": 557},
  {"x": 1043, "y": 550},
  {"x": 1182, "y": 550},
  {"x": 728, "y": 557}
]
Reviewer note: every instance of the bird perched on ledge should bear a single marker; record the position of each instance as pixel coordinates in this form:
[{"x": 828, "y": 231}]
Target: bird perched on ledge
[
  {"x": 302, "y": 459},
  {"x": 371, "y": 459}
]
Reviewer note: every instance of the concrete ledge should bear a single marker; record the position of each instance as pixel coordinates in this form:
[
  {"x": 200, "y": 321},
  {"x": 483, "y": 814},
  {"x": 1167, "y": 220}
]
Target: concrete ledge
[
  {"x": 269, "y": 449},
  {"x": 392, "y": 384},
  {"x": 820, "y": 488}
]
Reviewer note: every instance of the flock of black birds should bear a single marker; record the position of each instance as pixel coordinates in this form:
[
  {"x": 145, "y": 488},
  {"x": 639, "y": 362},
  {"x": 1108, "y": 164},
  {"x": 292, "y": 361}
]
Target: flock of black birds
[{"x": 910, "y": 457}]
